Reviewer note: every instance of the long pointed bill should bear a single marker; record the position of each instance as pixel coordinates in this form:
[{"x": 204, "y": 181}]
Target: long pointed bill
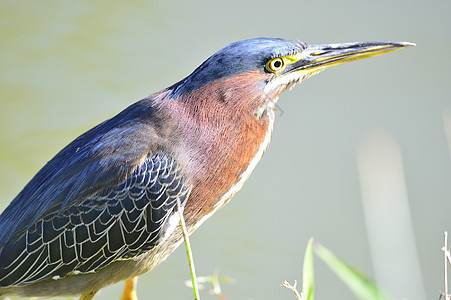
[{"x": 319, "y": 57}]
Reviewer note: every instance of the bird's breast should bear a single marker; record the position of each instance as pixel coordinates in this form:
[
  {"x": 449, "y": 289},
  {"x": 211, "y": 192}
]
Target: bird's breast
[{"x": 221, "y": 163}]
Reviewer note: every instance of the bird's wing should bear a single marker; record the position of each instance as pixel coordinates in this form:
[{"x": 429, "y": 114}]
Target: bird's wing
[{"x": 116, "y": 223}]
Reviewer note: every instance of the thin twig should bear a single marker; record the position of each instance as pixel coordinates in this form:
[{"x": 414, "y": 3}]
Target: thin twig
[
  {"x": 446, "y": 265},
  {"x": 447, "y": 257},
  {"x": 188, "y": 252},
  {"x": 299, "y": 296}
]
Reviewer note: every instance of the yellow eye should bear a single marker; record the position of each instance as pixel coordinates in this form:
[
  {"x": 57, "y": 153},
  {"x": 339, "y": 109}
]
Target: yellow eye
[{"x": 275, "y": 65}]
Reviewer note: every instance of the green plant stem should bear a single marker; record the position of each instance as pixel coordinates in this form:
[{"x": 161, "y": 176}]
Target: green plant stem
[
  {"x": 188, "y": 252},
  {"x": 308, "y": 273}
]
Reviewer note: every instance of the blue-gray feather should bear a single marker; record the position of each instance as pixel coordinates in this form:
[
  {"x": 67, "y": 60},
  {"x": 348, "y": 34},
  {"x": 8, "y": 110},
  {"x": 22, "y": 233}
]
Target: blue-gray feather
[
  {"x": 238, "y": 57},
  {"x": 98, "y": 159},
  {"x": 122, "y": 223}
]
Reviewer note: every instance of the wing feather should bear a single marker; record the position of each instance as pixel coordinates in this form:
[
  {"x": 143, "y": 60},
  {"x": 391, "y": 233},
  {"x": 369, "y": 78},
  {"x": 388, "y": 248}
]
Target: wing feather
[{"x": 121, "y": 223}]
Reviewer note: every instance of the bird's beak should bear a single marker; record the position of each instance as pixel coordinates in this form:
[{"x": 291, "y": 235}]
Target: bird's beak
[{"x": 319, "y": 57}]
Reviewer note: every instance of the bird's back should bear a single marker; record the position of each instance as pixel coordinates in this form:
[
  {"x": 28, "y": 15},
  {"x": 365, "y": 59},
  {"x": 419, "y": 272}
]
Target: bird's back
[
  {"x": 104, "y": 197},
  {"x": 82, "y": 166}
]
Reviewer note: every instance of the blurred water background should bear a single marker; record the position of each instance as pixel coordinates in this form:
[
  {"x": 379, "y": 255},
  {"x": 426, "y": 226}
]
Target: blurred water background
[{"x": 360, "y": 155}]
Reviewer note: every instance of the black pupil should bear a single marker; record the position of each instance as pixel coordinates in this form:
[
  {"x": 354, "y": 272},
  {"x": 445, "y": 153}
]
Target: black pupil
[{"x": 277, "y": 64}]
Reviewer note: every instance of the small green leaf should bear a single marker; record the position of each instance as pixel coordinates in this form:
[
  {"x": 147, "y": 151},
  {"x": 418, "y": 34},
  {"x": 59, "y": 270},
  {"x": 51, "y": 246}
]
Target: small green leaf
[
  {"x": 307, "y": 272},
  {"x": 359, "y": 284}
]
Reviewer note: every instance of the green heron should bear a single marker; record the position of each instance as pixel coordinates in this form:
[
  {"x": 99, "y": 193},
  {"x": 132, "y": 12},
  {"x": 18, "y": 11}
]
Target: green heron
[{"x": 104, "y": 209}]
